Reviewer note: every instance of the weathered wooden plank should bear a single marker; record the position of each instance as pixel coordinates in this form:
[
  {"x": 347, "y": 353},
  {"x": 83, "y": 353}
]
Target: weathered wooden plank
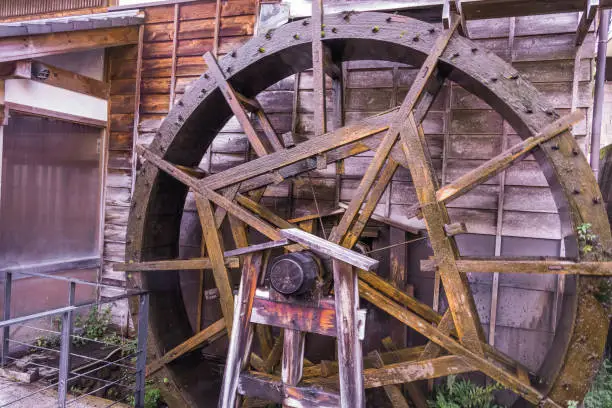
[
  {"x": 218, "y": 199},
  {"x": 366, "y": 211},
  {"x": 303, "y": 318},
  {"x": 215, "y": 251},
  {"x": 271, "y": 388},
  {"x": 293, "y": 357},
  {"x": 456, "y": 287},
  {"x": 504, "y": 160},
  {"x": 234, "y": 103},
  {"x": 207, "y": 334},
  {"x": 302, "y": 151},
  {"x": 529, "y": 266},
  {"x": 350, "y": 355},
  {"x": 240, "y": 341},
  {"x": 586, "y": 20},
  {"x": 330, "y": 249},
  {"x": 36, "y": 46}
]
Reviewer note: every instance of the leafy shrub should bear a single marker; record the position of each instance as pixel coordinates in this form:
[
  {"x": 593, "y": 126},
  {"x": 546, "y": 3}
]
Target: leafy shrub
[
  {"x": 600, "y": 394},
  {"x": 464, "y": 394}
]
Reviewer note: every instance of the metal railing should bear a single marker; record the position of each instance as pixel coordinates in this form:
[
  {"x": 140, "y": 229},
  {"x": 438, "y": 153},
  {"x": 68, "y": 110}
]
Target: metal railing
[{"x": 66, "y": 375}]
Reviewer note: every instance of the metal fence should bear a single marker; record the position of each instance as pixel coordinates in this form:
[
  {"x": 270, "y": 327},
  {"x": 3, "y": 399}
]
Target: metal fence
[{"x": 134, "y": 380}]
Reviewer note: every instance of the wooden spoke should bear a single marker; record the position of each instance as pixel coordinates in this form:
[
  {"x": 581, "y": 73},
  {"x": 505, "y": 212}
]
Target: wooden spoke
[
  {"x": 459, "y": 297},
  {"x": 239, "y": 212},
  {"x": 318, "y": 75},
  {"x": 330, "y": 249},
  {"x": 385, "y": 220},
  {"x": 215, "y": 252},
  {"x": 367, "y": 210},
  {"x": 547, "y": 266},
  {"x": 261, "y": 147},
  {"x": 230, "y": 258},
  {"x": 476, "y": 361},
  {"x": 416, "y": 89},
  {"x": 504, "y": 160},
  {"x": 310, "y": 148},
  {"x": 174, "y": 265},
  {"x": 588, "y": 15},
  {"x": 210, "y": 333}
]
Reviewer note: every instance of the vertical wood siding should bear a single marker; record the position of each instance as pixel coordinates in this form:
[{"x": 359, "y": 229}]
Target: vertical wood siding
[{"x": 13, "y": 8}]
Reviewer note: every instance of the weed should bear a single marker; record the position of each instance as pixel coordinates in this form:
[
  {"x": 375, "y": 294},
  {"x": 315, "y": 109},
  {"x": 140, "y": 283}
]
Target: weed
[
  {"x": 600, "y": 394},
  {"x": 95, "y": 325},
  {"x": 152, "y": 398},
  {"x": 464, "y": 394}
]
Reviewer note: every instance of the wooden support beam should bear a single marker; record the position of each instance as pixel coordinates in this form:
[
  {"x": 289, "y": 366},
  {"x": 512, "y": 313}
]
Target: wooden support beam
[
  {"x": 330, "y": 249},
  {"x": 330, "y": 368},
  {"x": 318, "y": 76},
  {"x": 546, "y": 266},
  {"x": 261, "y": 149},
  {"x": 233, "y": 208},
  {"x": 504, "y": 160},
  {"x": 36, "y": 46},
  {"x": 350, "y": 355},
  {"x": 464, "y": 27},
  {"x": 303, "y": 318},
  {"x": 174, "y": 265},
  {"x": 207, "y": 334},
  {"x": 310, "y": 148},
  {"x": 240, "y": 341},
  {"x": 215, "y": 251},
  {"x": 230, "y": 257},
  {"x": 366, "y": 211},
  {"x": 411, "y": 371},
  {"x": 426, "y": 71},
  {"x": 461, "y": 302},
  {"x": 588, "y": 15},
  {"x": 293, "y": 357},
  {"x": 378, "y": 283},
  {"x": 271, "y": 388},
  {"x": 16, "y": 70}
]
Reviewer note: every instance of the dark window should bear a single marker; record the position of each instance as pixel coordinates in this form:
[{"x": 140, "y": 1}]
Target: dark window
[{"x": 50, "y": 191}]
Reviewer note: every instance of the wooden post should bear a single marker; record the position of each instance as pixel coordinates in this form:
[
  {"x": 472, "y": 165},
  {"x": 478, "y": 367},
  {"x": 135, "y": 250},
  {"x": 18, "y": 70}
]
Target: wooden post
[
  {"x": 293, "y": 357},
  {"x": 239, "y": 346},
  {"x": 350, "y": 355}
]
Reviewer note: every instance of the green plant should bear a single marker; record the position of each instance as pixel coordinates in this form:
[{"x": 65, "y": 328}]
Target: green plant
[
  {"x": 95, "y": 325},
  {"x": 47, "y": 342},
  {"x": 600, "y": 394},
  {"x": 152, "y": 398},
  {"x": 128, "y": 346},
  {"x": 586, "y": 238},
  {"x": 463, "y": 394}
]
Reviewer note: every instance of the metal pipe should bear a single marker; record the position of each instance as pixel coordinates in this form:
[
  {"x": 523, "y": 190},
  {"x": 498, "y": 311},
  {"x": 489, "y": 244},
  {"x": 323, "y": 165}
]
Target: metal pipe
[{"x": 600, "y": 78}]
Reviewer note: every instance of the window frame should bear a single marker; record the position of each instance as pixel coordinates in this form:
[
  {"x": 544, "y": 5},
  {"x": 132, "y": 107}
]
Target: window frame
[{"x": 94, "y": 262}]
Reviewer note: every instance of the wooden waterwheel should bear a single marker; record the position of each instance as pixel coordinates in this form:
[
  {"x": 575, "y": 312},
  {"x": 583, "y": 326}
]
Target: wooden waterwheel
[{"x": 456, "y": 340}]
